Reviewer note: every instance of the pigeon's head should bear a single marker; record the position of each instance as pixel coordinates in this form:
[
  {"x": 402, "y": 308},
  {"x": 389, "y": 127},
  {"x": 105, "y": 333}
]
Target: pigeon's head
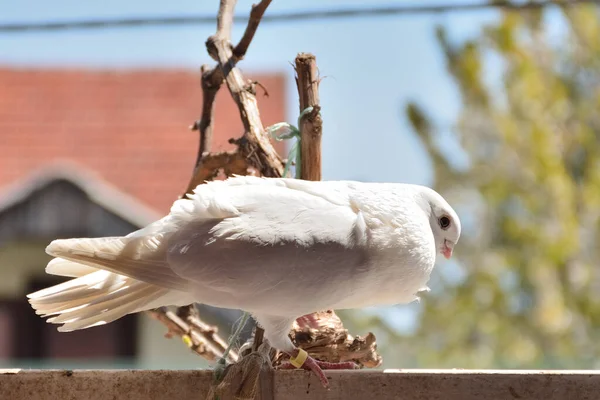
[{"x": 444, "y": 222}]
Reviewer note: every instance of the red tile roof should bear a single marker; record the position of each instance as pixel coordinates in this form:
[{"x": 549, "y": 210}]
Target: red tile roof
[{"x": 130, "y": 127}]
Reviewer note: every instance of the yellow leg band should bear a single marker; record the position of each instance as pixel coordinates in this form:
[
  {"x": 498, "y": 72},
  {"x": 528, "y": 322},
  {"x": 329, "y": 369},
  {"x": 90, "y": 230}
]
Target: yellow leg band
[
  {"x": 187, "y": 340},
  {"x": 299, "y": 360}
]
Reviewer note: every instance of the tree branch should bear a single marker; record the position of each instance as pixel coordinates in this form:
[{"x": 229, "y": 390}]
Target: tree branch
[
  {"x": 311, "y": 125},
  {"x": 204, "y": 339},
  {"x": 329, "y": 340},
  {"x": 211, "y": 84},
  {"x": 224, "y": 25},
  {"x": 212, "y": 164},
  {"x": 254, "y": 150},
  {"x": 255, "y": 144},
  {"x": 255, "y": 17},
  {"x": 332, "y": 342}
]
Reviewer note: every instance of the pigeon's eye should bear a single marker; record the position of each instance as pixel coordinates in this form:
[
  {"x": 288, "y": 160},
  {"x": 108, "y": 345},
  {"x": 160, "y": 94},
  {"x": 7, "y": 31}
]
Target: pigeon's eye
[{"x": 444, "y": 222}]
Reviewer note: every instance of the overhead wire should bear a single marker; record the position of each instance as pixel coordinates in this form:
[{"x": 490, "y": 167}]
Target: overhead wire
[{"x": 292, "y": 16}]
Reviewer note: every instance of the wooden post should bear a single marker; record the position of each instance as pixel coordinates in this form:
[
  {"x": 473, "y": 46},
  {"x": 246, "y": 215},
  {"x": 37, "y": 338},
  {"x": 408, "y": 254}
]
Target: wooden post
[{"x": 311, "y": 125}]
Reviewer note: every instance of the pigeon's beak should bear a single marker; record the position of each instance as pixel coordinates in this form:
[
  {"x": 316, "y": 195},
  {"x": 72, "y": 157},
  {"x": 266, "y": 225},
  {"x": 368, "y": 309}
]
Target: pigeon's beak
[{"x": 447, "y": 250}]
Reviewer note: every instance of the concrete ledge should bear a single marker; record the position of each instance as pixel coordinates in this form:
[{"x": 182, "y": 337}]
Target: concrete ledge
[{"x": 288, "y": 385}]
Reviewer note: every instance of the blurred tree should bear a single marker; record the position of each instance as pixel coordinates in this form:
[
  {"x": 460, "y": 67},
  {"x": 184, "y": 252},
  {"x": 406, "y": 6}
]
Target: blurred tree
[{"x": 525, "y": 290}]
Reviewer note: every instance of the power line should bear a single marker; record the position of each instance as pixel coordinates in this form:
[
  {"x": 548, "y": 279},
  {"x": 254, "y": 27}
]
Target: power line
[{"x": 342, "y": 13}]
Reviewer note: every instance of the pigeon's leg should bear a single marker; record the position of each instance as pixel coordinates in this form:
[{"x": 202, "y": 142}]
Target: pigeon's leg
[{"x": 276, "y": 332}]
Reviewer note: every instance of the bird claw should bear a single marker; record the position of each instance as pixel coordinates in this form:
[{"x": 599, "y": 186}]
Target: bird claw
[{"x": 317, "y": 367}]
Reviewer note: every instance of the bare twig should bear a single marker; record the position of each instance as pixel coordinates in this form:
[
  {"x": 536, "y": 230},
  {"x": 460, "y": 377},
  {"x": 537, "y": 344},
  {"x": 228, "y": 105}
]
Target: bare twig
[
  {"x": 211, "y": 84},
  {"x": 254, "y": 150},
  {"x": 255, "y": 17},
  {"x": 255, "y": 144},
  {"x": 251, "y": 86},
  {"x": 204, "y": 340},
  {"x": 311, "y": 125},
  {"x": 190, "y": 314},
  {"x": 211, "y": 164},
  {"x": 330, "y": 341},
  {"x": 212, "y": 80},
  {"x": 254, "y": 147},
  {"x": 209, "y": 94},
  {"x": 225, "y": 17},
  {"x": 224, "y": 24}
]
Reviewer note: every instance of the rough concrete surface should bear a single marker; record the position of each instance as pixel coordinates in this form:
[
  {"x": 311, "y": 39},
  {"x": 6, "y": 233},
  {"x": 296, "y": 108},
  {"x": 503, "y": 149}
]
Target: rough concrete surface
[{"x": 288, "y": 385}]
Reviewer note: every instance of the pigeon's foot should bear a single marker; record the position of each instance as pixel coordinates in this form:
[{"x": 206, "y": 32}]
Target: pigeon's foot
[{"x": 317, "y": 366}]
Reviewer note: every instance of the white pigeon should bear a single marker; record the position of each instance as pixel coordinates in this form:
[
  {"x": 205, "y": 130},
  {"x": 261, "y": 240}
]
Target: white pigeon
[{"x": 277, "y": 248}]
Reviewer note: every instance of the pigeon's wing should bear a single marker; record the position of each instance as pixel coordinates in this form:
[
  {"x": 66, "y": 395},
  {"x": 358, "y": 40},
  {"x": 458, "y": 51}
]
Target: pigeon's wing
[
  {"x": 275, "y": 231},
  {"x": 142, "y": 257},
  {"x": 243, "y": 234}
]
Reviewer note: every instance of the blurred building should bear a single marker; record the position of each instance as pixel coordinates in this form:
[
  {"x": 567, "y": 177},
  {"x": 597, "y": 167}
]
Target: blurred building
[{"x": 89, "y": 153}]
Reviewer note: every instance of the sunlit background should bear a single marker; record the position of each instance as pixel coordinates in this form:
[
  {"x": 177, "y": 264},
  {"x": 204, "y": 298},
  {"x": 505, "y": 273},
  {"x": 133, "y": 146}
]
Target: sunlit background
[{"x": 496, "y": 109}]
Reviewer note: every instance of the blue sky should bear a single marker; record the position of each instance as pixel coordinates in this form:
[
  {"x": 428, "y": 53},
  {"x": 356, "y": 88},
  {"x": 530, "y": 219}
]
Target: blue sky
[{"x": 373, "y": 66}]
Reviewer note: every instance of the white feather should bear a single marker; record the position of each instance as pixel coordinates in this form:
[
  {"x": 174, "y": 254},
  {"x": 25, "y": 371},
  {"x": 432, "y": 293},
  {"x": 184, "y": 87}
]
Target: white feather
[
  {"x": 61, "y": 267},
  {"x": 97, "y": 298}
]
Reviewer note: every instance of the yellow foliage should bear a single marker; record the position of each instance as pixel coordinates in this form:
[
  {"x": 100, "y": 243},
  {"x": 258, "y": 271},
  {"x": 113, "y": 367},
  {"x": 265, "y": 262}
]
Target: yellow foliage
[{"x": 532, "y": 295}]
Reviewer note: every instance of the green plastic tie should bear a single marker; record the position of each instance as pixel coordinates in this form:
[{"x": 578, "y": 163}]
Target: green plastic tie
[{"x": 285, "y": 131}]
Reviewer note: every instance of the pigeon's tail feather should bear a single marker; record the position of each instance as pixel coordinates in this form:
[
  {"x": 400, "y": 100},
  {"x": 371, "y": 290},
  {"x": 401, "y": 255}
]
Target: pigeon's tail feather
[
  {"x": 97, "y": 297},
  {"x": 141, "y": 257},
  {"x": 61, "y": 267}
]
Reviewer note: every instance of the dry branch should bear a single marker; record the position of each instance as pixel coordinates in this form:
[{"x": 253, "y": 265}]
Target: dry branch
[
  {"x": 311, "y": 125},
  {"x": 211, "y": 83},
  {"x": 224, "y": 23},
  {"x": 203, "y": 338},
  {"x": 253, "y": 146},
  {"x": 213, "y": 164},
  {"x": 255, "y": 17},
  {"x": 330, "y": 341}
]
